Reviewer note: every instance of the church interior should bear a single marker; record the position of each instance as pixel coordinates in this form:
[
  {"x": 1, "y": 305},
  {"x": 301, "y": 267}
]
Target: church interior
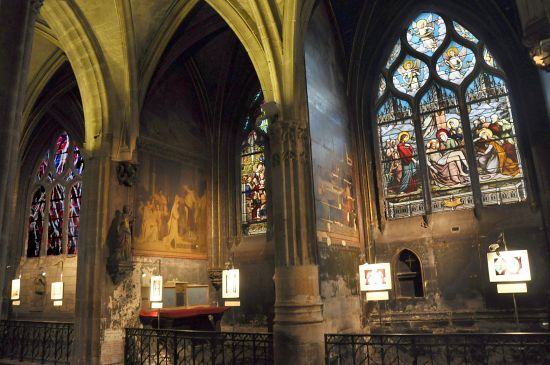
[{"x": 338, "y": 180}]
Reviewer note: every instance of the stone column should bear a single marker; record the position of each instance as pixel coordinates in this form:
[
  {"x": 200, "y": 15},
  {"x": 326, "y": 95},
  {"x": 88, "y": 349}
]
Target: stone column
[
  {"x": 298, "y": 327},
  {"x": 16, "y": 31},
  {"x": 91, "y": 270}
]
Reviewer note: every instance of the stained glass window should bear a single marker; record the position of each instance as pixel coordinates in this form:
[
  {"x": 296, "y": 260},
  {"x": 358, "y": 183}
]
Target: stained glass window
[
  {"x": 253, "y": 171},
  {"x": 443, "y": 119},
  {"x": 57, "y": 190}
]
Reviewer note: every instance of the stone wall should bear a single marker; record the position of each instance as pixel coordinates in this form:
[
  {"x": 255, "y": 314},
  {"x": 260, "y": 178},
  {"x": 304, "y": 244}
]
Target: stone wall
[{"x": 333, "y": 171}]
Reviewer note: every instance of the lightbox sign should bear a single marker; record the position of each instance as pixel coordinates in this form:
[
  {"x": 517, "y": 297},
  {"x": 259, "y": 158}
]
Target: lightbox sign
[
  {"x": 230, "y": 283},
  {"x": 375, "y": 277},
  {"x": 156, "y": 289},
  {"x": 508, "y": 266}
]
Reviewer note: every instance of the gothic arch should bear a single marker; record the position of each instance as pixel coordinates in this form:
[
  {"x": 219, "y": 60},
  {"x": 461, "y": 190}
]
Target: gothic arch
[{"x": 77, "y": 41}]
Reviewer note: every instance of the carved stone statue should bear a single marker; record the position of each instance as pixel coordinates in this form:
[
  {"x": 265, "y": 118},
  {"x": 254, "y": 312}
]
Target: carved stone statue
[{"x": 119, "y": 241}]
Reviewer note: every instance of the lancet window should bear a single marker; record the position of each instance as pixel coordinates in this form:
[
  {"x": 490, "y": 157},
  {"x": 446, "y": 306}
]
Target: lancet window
[
  {"x": 446, "y": 133},
  {"x": 254, "y": 197},
  {"x": 56, "y": 192}
]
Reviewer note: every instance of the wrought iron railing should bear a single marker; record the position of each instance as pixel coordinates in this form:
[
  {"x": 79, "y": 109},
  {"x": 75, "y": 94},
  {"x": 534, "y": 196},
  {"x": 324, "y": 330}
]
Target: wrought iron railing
[
  {"x": 44, "y": 342},
  {"x": 443, "y": 349},
  {"x": 158, "y": 346}
]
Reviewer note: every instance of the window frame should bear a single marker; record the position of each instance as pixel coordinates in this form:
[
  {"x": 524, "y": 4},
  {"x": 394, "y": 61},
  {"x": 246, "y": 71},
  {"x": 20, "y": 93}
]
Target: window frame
[
  {"x": 480, "y": 67},
  {"x": 68, "y": 185}
]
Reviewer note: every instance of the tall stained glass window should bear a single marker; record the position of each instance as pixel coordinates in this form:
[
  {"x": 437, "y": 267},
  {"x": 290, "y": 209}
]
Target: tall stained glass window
[
  {"x": 444, "y": 121},
  {"x": 56, "y": 189},
  {"x": 253, "y": 171}
]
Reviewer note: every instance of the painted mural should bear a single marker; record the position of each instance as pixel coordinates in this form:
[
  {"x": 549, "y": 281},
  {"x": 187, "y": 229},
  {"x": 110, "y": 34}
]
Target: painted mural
[{"x": 171, "y": 209}]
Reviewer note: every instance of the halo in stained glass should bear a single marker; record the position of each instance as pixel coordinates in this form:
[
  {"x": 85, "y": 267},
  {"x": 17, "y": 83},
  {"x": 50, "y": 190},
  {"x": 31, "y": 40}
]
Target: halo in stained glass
[
  {"x": 411, "y": 75},
  {"x": 393, "y": 109},
  {"x": 394, "y": 53},
  {"x": 61, "y": 153},
  {"x": 489, "y": 59},
  {"x": 381, "y": 86},
  {"x": 78, "y": 161},
  {"x": 426, "y": 33},
  {"x": 392, "y": 133},
  {"x": 464, "y": 33},
  {"x": 43, "y": 167},
  {"x": 485, "y": 86},
  {"x": 455, "y": 63}
]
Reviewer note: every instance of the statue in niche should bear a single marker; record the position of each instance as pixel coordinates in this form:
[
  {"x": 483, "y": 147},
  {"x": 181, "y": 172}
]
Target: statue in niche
[
  {"x": 37, "y": 301},
  {"x": 119, "y": 241},
  {"x": 126, "y": 173}
]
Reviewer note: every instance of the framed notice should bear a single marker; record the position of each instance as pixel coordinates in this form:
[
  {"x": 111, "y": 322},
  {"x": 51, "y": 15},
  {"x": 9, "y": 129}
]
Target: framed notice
[
  {"x": 375, "y": 277},
  {"x": 506, "y": 266},
  {"x": 230, "y": 283},
  {"x": 57, "y": 290},
  {"x": 15, "y": 289},
  {"x": 156, "y": 289}
]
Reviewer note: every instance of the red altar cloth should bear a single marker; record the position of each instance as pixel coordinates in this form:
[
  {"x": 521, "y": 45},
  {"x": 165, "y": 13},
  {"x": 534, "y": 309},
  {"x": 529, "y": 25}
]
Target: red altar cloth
[
  {"x": 180, "y": 312},
  {"x": 205, "y": 318}
]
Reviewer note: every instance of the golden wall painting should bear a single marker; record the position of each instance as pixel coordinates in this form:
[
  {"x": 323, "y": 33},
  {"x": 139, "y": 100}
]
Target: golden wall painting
[{"x": 171, "y": 209}]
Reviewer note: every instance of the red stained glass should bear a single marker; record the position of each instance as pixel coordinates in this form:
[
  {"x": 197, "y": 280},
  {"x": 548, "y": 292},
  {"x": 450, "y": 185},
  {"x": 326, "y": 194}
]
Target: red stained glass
[
  {"x": 36, "y": 222},
  {"x": 74, "y": 219},
  {"x": 61, "y": 152},
  {"x": 55, "y": 222}
]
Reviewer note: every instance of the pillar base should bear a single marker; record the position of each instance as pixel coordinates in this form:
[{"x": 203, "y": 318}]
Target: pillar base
[{"x": 298, "y": 330}]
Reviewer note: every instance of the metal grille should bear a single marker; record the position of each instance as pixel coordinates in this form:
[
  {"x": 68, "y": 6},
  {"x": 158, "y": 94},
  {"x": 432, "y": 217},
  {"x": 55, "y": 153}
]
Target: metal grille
[
  {"x": 444, "y": 349},
  {"x": 44, "y": 342},
  {"x": 157, "y": 346}
]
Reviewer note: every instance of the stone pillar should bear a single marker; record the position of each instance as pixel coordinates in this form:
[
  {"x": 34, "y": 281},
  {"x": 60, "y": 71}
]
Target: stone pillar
[
  {"x": 91, "y": 270},
  {"x": 298, "y": 327},
  {"x": 16, "y": 31}
]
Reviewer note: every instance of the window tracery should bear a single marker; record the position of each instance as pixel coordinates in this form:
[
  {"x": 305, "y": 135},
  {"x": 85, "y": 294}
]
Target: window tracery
[
  {"x": 444, "y": 121},
  {"x": 57, "y": 190}
]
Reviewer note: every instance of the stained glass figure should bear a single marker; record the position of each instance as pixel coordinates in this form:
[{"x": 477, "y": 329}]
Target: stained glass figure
[
  {"x": 55, "y": 221},
  {"x": 394, "y": 53},
  {"x": 455, "y": 63},
  {"x": 446, "y": 161},
  {"x": 61, "y": 153},
  {"x": 411, "y": 75},
  {"x": 489, "y": 59},
  {"x": 464, "y": 33},
  {"x": 43, "y": 167},
  {"x": 78, "y": 161},
  {"x": 36, "y": 222},
  {"x": 447, "y": 150},
  {"x": 426, "y": 33},
  {"x": 74, "y": 218},
  {"x": 381, "y": 86},
  {"x": 253, "y": 173}
]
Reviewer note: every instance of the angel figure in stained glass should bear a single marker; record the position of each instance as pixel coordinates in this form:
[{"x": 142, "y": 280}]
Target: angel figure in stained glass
[
  {"x": 410, "y": 72},
  {"x": 424, "y": 29},
  {"x": 454, "y": 59}
]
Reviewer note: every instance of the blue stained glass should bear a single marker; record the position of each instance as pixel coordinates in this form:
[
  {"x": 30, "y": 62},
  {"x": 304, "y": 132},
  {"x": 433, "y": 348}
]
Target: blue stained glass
[
  {"x": 485, "y": 86},
  {"x": 394, "y": 53},
  {"x": 411, "y": 75},
  {"x": 464, "y": 33},
  {"x": 437, "y": 98},
  {"x": 78, "y": 161},
  {"x": 489, "y": 59},
  {"x": 74, "y": 219},
  {"x": 455, "y": 63},
  {"x": 61, "y": 152},
  {"x": 381, "y": 86},
  {"x": 36, "y": 222},
  {"x": 55, "y": 222},
  {"x": 393, "y": 109},
  {"x": 426, "y": 33}
]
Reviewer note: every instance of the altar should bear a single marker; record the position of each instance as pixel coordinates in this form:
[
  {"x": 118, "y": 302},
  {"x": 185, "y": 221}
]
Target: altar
[{"x": 200, "y": 318}]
